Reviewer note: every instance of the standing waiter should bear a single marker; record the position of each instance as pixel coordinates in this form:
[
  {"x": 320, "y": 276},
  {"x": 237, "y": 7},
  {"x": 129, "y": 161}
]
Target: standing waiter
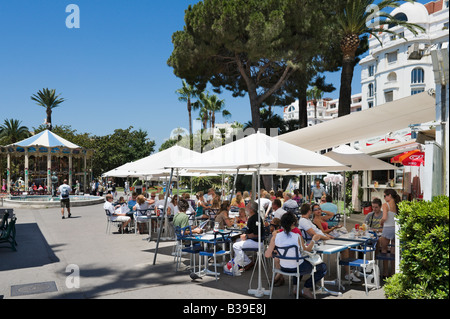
[{"x": 317, "y": 192}]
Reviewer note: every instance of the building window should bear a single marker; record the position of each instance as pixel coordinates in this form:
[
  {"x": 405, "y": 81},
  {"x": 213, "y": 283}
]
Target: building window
[
  {"x": 417, "y": 91},
  {"x": 391, "y": 57},
  {"x": 371, "y": 90},
  {"x": 417, "y": 76},
  {"x": 389, "y": 96},
  {"x": 370, "y": 104},
  {"x": 371, "y": 70},
  {"x": 400, "y": 17}
]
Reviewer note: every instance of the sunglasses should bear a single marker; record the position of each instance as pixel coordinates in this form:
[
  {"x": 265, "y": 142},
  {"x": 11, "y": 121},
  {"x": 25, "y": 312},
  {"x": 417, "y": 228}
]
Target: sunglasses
[{"x": 316, "y": 209}]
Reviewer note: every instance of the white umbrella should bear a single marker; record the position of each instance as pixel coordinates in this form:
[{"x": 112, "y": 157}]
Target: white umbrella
[{"x": 257, "y": 151}]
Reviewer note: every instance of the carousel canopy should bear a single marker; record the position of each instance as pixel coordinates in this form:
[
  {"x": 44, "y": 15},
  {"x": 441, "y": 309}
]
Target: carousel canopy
[{"x": 46, "y": 139}]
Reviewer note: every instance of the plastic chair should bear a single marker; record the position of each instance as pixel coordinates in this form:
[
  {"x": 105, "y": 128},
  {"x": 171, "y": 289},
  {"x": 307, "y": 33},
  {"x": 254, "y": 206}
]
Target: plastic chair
[
  {"x": 281, "y": 253},
  {"x": 4, "y": 222},
  {"x": 369, "y": 246},
  {"x": 8, "y": 235},
  {"x": 141, "y": 216},
  {"x": 183, "y": 234},
  {"x": 109, "y": 221},
  {"x": 223, "y": 239},
  {"x": 336, "y": 219}
]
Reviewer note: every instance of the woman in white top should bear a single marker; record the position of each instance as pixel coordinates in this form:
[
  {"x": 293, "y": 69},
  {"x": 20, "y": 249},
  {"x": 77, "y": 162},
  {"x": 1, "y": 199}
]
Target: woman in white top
[
  {"x": 390, "y": 210},
  {"x": 285, "y": 238}
]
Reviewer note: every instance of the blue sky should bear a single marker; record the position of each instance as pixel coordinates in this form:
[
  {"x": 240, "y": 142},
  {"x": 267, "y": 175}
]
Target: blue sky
[{"x": 112, "y": 71}]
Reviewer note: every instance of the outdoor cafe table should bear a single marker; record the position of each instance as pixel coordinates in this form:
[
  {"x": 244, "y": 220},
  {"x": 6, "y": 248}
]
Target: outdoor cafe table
[
  {"x": 208, "y": 238},
  {"x": 335, "y": 246},
  {"x": 349, "y": 237}
]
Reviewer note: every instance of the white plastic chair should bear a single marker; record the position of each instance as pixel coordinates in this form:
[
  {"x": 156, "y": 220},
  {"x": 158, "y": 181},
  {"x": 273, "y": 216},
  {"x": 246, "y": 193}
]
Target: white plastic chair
[{"x": 110, "y": 221}]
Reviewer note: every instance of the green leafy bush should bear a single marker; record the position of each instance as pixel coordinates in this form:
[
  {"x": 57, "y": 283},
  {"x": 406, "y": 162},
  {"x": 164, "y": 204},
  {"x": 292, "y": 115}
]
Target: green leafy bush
[{"x": 424, "y": 237}]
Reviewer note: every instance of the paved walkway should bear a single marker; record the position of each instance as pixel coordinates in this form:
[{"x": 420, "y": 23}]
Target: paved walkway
[{"x": 111, "y": 265}]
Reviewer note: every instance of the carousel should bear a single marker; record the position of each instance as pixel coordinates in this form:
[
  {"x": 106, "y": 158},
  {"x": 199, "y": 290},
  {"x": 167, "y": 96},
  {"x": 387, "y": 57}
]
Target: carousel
[{"x": 40, "y": 163}]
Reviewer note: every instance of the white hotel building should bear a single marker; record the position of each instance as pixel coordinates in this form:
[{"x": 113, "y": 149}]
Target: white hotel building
[
  {"x": 399, "y": 68},
  {"x": 394, "y": 70}
]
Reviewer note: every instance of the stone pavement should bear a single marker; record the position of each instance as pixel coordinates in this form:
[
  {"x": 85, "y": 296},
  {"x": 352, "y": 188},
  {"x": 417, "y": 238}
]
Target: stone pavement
[{"x": 51, "y": 250}]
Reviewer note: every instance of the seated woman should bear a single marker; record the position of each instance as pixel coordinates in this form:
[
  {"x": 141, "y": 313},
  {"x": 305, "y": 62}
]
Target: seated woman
[
  {"x": 201, "y": 207},
  {"x": 321, "y": 220},
  {"x": 142, "y": 210},
  {"x": 215, "y": 208},
  {"x": 288, "y": 238},
  {"x": 238, "y": 201},
  {"x": 242, "y": 218},
  {"x": 222, "y": 217}
]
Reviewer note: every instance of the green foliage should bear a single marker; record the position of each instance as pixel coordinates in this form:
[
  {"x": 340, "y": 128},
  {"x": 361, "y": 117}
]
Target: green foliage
[
  {"x": 203, "y": 183},
  {"x": 119, "y": 148},
  {"x": 11, "y": 131},
  {"x": 424, "y": 237},
  {"x": 48, "y": 99},
  {"x": 249, "y": 46}
]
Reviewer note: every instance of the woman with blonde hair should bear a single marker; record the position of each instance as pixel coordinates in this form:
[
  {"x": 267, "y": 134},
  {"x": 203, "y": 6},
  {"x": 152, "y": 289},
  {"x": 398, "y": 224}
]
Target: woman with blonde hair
[{"x": 238, "y": 201}]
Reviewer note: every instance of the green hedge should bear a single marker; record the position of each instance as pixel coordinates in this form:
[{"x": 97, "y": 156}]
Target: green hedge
[{"x": 424, "y": 237}]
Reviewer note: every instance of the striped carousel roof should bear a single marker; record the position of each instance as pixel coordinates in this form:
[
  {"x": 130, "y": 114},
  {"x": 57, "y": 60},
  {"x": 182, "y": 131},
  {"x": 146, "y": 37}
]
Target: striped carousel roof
[{"x": 46, "y": 139}]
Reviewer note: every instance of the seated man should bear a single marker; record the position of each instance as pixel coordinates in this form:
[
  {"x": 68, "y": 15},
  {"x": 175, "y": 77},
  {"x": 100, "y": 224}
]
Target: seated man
[
  {"x": 181, "y": 219},
  {"x": 116, "y": 216},
  {"x": 278, "y": 211},
  {"x": 249, "y": 239},
  {"x": 289, "y": 204},
  {"x": 132, "y": 200},
  {"x": 308, "y": 226}
]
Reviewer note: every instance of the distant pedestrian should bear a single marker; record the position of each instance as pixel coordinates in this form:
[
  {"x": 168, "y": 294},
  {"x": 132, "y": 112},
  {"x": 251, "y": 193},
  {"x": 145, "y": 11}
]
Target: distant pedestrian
[{"x": 64, "y": 193}]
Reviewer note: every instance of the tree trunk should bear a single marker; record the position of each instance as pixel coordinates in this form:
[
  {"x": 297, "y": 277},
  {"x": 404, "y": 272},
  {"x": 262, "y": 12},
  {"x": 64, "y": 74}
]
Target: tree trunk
[
  {"x": 189, "y": 107},
  {"x": 345, "y": 94},
  {"x": 254, "y": 107},
  {"x": 49, "y": 119},
  {"x": 315, "y": 111},
  {"x": 302, "y": 107}
]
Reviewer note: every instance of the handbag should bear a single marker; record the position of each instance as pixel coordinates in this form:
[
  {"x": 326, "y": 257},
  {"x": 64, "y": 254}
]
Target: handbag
[{"x": 313, "y": 258}]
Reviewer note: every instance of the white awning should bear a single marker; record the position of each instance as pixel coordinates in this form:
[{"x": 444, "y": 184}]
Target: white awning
[{"x": 379, "y": 120}]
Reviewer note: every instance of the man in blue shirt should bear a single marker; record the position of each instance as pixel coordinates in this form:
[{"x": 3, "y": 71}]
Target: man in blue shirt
[
  {"x": 328, "y": 206},
  {"x": 317, "y": 192}
]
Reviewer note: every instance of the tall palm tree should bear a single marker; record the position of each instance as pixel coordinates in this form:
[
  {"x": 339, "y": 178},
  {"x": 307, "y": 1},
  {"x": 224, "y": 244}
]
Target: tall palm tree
[
  {"x": 353, "y": 18},
  {"x": 11, "y": 132},
  {"x": 49, "y": 100},
  {"x": 215, "y": 105},
  {"x": 186, "y": 94},
  {"x": 314, "y": 94},
  {"x": 203, "y": 105}
]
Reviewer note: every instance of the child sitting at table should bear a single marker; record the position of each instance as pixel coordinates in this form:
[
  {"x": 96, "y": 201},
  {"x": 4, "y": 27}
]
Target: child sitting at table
[{"x": 181, "y": 219}]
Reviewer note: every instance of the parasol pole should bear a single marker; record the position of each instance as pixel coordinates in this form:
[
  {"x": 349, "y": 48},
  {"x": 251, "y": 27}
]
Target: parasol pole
[
  {"x": 259, "y": 291},
  {"x": 162, "y": 216}
]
